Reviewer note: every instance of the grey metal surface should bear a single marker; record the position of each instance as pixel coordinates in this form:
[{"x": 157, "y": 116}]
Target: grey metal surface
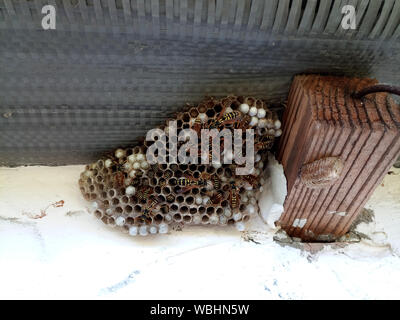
[{"x": 113, "y": 69}]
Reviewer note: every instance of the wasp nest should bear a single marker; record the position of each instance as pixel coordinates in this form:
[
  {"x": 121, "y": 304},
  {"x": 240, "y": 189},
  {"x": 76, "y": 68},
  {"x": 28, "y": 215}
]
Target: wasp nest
[{"x": 127, "y": 190}]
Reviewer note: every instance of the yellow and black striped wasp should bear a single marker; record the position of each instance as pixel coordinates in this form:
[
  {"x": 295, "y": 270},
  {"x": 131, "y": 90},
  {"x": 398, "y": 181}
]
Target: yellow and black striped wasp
[
  {"x": 197, "y": 125},
  {"x": 216, "y": 182},
  {"x": 217, "y": 197},
  {"x": 266, "y": 143},
  {"x": 152, "y": 203},
  {"x": 187, "y": 182},
  {"x": 144, "y": 193},
  {"x": 225, "y": 119},
  {"x": 234, "y": 197}
]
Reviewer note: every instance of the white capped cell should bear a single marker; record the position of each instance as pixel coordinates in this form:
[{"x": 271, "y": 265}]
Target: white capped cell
[
  {"x": 127, "y": 166},
  {"x": 270, "y": 123},
  {"x": 253, "y": 121},
  {"x": 88, "y": 173},
  {"x": 262, "y": 123},
  {"x": 130, "y": 191},
  {"x": 108, "y": 163},
  {"x": 133, "y": 231},
  {"x": 261, "y": 113},
  {"x": 227, "y": 212},
  {"x": 203, "y": 117},
  {"x": 136, "y": 165},
  {"x": 196, "y": 219},
  {"x": 132, "y": 173},
  {"x": 228, "y": 155},
  {"x": 216, "y": 165},
  {"x": 153, "y": 229},
  {"x": 163, "y": 228},
  {"x": 198, "y": 199},
  {"x": 143, "y": 231},
  {"x": 253, "y": 111},
  {"x": 119, "y": 153},
  {"x": 94, "y": 205},
  {"x": 214, "y": 219},
  {"x": 223, "y": 220},
  {"x": 237, "y": 216},
  {"x": 206, "y": 199},
  {"x": 240, "y": 226},
  {"x": 244, "y": 107},
  {"x": 250, "y": 193},
  {"x": 132, "y": 158},
  {"x": 120, "y": 221},
  {"x": 144, "y": 165},
  {"x": 250, "y": 208}
]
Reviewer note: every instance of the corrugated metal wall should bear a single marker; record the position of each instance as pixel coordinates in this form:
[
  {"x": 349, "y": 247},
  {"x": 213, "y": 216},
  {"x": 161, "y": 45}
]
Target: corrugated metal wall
[{"x": 114, "y": 68}]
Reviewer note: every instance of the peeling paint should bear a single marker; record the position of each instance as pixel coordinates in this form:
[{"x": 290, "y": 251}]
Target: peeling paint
[
  {"x": 299, "y": 223},
  {"x": 339, "y": 213}
]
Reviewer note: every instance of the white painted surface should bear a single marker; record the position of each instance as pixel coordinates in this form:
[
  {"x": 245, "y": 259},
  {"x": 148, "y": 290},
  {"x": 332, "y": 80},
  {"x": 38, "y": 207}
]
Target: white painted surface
[
  {"x": 70, "y": 254},
  {"x": 274, "y": 192}
]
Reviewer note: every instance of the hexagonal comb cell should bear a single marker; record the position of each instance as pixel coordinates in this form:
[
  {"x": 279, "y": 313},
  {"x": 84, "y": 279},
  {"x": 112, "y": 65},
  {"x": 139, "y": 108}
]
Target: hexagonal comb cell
[{"x": 127, "y": 190}]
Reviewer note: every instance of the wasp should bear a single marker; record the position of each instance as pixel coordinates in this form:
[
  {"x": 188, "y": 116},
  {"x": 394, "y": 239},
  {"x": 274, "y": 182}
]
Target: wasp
[
  {"x": 264, "y": 145},
  {"x": 210, "y": 153},
  {"x": 197, "y": 125},
  {"x": 144, "y": 193},
  {"x": 162, "y": 182},
  {"x": 217, "y": 197},
  {"x": 167, "y": 174},
  {"x": 170, "y": 198},
  {"x": 244, "y": 123},
  {"x": 216, "y": 182},
  {"x": 151, "y": 205},
  {"x": 251, "y": 180},
  {"x": 267, "y": 137},
  {"x": 228, "y": 118},
  {"x": 189, "y": 183},
  {"x": 204, "y": 154},
  {"x": 139, "y": 173},
  {"x": 119, "y": 178},
  {"x": 234, "y": 197},
  {"x": 135, "y": 182},
  {"x": 118, "y": 173}
]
